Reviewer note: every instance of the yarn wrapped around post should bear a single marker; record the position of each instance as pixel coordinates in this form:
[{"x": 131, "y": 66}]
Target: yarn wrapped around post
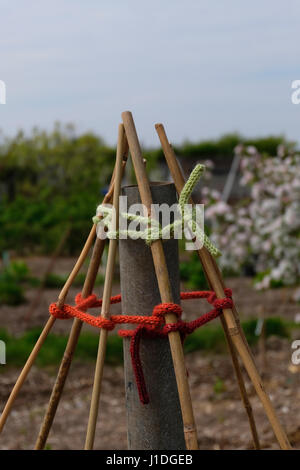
[{"x": 152, "y": 326}]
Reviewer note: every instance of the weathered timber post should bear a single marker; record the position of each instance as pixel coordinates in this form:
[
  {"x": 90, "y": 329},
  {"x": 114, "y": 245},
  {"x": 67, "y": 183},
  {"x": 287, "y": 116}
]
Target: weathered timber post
[{"x": 157, "y": 425}]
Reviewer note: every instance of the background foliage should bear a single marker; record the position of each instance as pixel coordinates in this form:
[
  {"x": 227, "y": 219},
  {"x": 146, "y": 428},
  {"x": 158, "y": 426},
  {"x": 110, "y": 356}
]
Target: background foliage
[
  {"x": 48, "y": 180},
  {"x": 51, "y": 179},
  {"x": 261, "y": 231}
]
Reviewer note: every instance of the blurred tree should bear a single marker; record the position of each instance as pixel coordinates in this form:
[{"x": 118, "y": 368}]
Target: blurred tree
[{"x": 48, "y": 179}]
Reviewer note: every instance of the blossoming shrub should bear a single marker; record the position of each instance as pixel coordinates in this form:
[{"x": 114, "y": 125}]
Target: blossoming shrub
[{"x": 262, "y": 231}]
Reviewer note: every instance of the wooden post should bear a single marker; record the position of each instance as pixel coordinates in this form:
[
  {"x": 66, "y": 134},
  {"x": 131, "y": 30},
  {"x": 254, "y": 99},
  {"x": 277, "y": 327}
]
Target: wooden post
[
  {"x": 157, "y": 425},
  {"x": 230, "y": 315},
  {"x": 162, "y": 275}
]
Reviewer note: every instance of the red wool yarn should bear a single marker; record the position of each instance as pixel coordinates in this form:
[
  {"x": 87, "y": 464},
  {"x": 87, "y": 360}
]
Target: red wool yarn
[{"x": 150, "y": 326}]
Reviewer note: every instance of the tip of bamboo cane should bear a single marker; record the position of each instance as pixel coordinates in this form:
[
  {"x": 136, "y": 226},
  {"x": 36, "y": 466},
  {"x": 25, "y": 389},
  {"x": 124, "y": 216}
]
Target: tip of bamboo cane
[
  {"x": 159, "y": 125},
  {"x": 126, "y": 113}
]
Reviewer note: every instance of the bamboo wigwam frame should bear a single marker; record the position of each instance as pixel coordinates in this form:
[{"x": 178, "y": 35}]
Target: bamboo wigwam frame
[{"x": 237, "y": 344}]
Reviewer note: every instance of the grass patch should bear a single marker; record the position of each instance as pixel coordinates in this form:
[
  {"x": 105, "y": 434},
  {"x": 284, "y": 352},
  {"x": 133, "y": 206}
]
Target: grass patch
[
  {"x": 210, "y": 338},
  {"x": 18, "y": 349},
  {"x": 12, "y": 279}
]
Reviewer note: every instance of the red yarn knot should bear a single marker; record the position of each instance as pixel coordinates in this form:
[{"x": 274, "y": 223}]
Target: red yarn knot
[
  {"x": 178, "y": 326},
  {"x": 105, "y": 323},
  {"x": 58, "y": 312},
  {"x": 227, "y": 302},
  {"x": 221, "y": 304},
  {"x": 88, "y": 302},
  {"x": 151, "y": 326},
  {"x": 228, "y": 292},
  {"x": 211, "y": 298},
  {"x": 167, "y": 308}
]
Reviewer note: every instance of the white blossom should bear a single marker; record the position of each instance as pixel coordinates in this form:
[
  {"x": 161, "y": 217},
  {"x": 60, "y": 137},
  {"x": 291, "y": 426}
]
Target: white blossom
[{"x": 265, "y": 228}]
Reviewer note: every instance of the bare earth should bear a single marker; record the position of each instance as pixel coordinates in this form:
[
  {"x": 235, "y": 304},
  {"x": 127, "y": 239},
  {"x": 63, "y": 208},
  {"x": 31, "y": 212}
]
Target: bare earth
[{"x": 220, "y": 417}]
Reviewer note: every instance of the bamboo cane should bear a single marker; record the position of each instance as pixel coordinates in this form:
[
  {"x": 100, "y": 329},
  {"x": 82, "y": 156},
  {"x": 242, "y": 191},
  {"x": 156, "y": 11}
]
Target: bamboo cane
[
  {"x": 164, "y": 287},
  {"x": 179, "y": 181},
  {"x": 105, "y": 309},
  {"x": 70, "y": 349},
  {"x": 261, "y": 333},
  {"x": 230, "y": 316},
  {"x": 22, "y": 377},
  {"x": 76, "y": 327},
  {"x": 50, "y": 322}
]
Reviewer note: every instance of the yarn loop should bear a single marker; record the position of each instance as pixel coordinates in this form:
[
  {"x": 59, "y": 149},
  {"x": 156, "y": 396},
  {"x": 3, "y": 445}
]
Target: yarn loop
[
  {"x": 149, "y": 326},
  {"x": 154, "y": 231}
]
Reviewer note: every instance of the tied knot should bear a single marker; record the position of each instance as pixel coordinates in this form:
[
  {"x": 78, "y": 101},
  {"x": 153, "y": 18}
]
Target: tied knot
[
  {"x": 89, "y": 302},
  {"x": 219, "y": 304},
  {"x": 228, "y": 292},
  {"x": 58, "y": 312},
  {"x": 167, "y": 308},
  {"x": 154, "y": 230},
  {"x": 211, "y": 298},
  {"x": 178, "y": 326},
  {"x": 227, "y": 302},
  {"x": 105, "y": 323}
]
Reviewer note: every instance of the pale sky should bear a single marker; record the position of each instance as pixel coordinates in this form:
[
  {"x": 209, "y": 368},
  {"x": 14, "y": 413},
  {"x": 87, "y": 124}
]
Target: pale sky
[{"x": 203, "y": 68}]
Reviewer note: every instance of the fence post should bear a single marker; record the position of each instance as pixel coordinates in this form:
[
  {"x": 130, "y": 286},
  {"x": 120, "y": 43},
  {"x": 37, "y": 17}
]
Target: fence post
[{"x": 157, "y": 425}]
